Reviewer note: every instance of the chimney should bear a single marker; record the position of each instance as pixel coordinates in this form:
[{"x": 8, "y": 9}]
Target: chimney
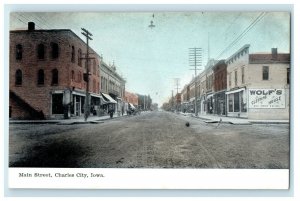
[
  {"x": 274, "y": 53},
  {"x": 31, "y": 26}
]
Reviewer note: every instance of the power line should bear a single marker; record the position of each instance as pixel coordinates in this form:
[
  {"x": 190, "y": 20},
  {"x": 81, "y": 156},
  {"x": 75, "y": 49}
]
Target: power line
[
  {"x": 20, "y": 15},
  {"x": 253, "y": 23}
]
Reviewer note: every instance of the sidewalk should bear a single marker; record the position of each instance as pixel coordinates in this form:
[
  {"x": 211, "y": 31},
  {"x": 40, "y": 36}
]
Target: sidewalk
[
  {"x": 77, "y": 120},
  {"x": 239, "y": 121}
]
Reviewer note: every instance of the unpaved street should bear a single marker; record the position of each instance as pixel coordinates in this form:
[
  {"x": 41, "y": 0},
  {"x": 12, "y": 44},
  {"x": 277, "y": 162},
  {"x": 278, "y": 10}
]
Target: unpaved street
[{"x": 150, "y": 140}]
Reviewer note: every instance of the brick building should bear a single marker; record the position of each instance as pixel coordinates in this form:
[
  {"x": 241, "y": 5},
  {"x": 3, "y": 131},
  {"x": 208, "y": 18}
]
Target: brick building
[
  {"x": 47, "y": 74},
  {"x": 220, "y": 87}
]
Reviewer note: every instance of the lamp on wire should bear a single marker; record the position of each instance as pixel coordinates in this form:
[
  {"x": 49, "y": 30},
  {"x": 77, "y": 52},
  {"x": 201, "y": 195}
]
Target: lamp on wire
[{"x": 151, "y": 22}]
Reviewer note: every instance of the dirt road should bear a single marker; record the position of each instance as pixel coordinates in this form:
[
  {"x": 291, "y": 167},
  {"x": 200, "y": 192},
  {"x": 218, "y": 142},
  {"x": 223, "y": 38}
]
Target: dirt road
[{"x": 150, "y": 140}]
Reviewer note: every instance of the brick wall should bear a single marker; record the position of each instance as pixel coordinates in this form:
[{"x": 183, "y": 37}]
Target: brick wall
[{"x": 39, "y": 96}]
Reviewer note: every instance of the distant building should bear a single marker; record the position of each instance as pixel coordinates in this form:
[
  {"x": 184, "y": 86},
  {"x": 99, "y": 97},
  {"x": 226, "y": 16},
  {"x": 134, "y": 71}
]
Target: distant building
[
  {"x": 131, "y": 100},
  {"x": 112, "y": 87},
  {"x": 258, "y": 85}
]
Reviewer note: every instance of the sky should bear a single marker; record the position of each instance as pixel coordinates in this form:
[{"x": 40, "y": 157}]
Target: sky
[{"x": 151, "y": 59}]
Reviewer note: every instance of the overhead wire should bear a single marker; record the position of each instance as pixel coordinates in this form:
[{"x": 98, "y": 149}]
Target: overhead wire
[{"x": 252, "y": 24}]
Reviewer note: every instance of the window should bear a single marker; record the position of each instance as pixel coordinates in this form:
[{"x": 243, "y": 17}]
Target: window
[
  {"x": 18, "y": 79},
  {"x": 288, "y": 76},
  {"x": 40, "y": 77},
  {"x": 235, "y": 78},
  {"x": 19, "y": 52},
  {"x": 243, "y": 101},
  {"x": 94, "y": 86},
  {"x": 243, "y": 75},
  {"x": 79, "y": 76},
  {"x": 54, "y": 50},
  {"x": 236, "y": 102},
  {"x": 54, "y": 77},
  {"x": 265, "y": 73},
  {"x": 94, "y": 67},
  {"x": 72, "y": 75},
  {"x": 230, "y": 102},
  {"x": 79, "y": 57},
  {"x": 41, "y": 51},
  {"x": 229, "y": 79},
  {"x": 73, "y": 54}
]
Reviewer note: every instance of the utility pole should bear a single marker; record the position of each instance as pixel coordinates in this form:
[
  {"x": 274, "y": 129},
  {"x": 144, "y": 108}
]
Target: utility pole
[
  {"x": 87, "y": 34},
  {"x": 195, "y": 60},
  {"x": 172, "y": 102},
  {"x": 177, "y": 87}
]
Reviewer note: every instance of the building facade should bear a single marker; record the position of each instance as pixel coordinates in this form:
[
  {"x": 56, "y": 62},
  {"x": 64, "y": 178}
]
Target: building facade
[
  {"x": 112, "y": 88},
  {"x": 220, "y": 87},
  {"x": 258, "y": 85},
  {"x": 47, "y": 69}
]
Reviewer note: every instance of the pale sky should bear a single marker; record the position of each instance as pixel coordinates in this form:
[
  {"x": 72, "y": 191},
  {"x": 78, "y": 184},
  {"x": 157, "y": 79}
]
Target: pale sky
[{"x": 151, "y": 59}]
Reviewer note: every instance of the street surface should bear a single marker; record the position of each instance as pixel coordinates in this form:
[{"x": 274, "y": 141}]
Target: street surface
[{"x": 150, "y": 140}]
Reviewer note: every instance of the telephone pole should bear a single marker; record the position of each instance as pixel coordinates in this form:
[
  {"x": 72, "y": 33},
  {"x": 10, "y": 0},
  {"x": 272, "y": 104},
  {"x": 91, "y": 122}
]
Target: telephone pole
[
  {"x": 195, "y": 60},
  {"x": 177, "y": 87},
  {"x": 87, "y": 34}
]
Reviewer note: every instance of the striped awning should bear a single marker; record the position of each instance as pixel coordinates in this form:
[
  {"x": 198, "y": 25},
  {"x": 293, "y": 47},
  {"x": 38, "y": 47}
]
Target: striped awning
[{"x": 109, "y": 98}]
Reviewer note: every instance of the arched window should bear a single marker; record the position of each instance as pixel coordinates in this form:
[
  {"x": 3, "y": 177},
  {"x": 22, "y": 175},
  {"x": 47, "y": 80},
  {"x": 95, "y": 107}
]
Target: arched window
[
  {"x": 54, "y": 50},
  {"x": 41, "y": 77},
  {"x": 41, "y": 51},
  {"x": 54, "y": 77},
  {"x": 19, "y": 52},
  {"x": 79, "y": 57},
  {"x": 73, "y": 54},
  {"x": 94, "y": 86},
  {"x": 72, "y": 75},
  {"x": 94, "y": 67},
  {"x": 18, "y": 80}
]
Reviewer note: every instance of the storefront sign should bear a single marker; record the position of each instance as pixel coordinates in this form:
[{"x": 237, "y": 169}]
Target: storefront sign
[{"x": 266, "y": 98}]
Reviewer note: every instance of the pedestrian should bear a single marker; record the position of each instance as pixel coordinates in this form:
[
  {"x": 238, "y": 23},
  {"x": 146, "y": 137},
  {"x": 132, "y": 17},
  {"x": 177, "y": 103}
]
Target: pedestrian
[{"x": 111, "y": 111}]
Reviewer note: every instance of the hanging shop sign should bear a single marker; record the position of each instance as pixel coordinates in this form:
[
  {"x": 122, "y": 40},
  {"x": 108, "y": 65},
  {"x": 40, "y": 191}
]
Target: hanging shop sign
[{"x": 266, "y": 98}]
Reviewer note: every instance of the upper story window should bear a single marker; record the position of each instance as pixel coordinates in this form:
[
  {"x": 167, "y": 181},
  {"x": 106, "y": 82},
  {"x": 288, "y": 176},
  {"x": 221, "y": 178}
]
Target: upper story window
[
  {"x": 229, "y": 80},
  {"x": 288, "y": 76},
  {"x": 54, "y": 50},
  {"x": 18, "y": 77},
  {"x": 72, "y": 75},
  {"x": 41, "y": 51},
  {"x": 73, "y": 54},
  {"x": 243, "y": 75},
  {"x": 94, "y": 86},
  {"x": 54, "y": 77},
  {"x": 19, "y": 52},
  {"x": 235, "y": 78},
  {"x": 265, "y": 73},
  {"x": 94, "y": 67},
  {"x": 79, "y": 57},
  {"x": 41, "y": 77}
]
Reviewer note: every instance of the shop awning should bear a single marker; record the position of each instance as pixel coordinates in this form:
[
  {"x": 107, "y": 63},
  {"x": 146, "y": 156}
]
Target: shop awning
[
  {"x": 235, "y": 91},
  {"x": 109, "y": 98},
  {"x": 103, "y": 101},
  {"x": 209, "y": 96}
]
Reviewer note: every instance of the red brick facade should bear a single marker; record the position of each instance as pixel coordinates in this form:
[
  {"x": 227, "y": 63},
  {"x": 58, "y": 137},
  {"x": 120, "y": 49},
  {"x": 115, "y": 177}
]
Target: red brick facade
[
  {"x": 131, "y": 98},
  {"x": 220, "y": 76},
  {"x": 49, "y": 63}
]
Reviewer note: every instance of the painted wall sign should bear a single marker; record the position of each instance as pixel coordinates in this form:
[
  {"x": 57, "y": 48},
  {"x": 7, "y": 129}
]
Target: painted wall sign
[{"x": 266, "y": 98}]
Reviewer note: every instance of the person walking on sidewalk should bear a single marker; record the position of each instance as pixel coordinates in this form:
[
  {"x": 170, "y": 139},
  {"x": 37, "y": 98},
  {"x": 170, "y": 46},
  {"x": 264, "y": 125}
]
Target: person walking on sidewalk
[{"x": 111, "y": 111}]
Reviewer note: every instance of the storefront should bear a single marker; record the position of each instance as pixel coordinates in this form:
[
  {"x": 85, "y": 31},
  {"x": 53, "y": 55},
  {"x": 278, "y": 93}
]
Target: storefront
[
  {"x": 220, "y": 103},
  {"x": 237, "y": 103},
  {"x": 109, "y": 103},
  {"x": 210, "y": 104}
]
